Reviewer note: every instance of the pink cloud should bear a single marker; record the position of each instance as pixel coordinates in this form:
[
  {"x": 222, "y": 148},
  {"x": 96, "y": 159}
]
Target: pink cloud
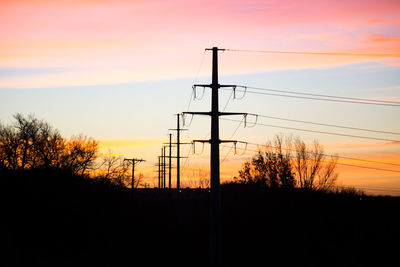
[
  {"x": 379, "y": 38},
  {"x": 160, "y": 34}
]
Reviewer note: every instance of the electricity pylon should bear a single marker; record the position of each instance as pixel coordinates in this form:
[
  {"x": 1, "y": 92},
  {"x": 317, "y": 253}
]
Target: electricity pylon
[{"x": 215, "y": 216}]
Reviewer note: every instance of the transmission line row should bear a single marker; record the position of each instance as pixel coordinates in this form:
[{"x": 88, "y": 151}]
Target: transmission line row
[
  {"x": 316, "y": 53},
  {"x": 319, "y": 97},
  {"x": 319, "y": 132},
  {"x": 339, "y": 157},
  {"x": 329, "y": 125}
]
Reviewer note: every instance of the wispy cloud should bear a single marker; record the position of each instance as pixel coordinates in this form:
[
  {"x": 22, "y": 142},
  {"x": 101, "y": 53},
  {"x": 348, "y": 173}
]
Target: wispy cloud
[{"x": 139, "y": 37}]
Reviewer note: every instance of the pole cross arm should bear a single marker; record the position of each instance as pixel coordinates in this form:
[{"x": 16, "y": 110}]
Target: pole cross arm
[
  {"x": 133, "y": 160},
  {"x": 228, "y": 141},
  {"x": 136, "y": 160},
  {"x": 180, "y": 143},
  {"x": 175, "y": 157},
  {"x": 215, "y": 48},
  {"x": 168, "y": 144},
  {"x": 232, "y": 113},
  {"x": 201, "y": 141},
  {"x": 201, "y": 85},
  {"x": 197, "y": 113},
  {"x": 228, "y": 85},
  {"x": 232, "y": 141},
  {"x": 219, "y": 85},
  {"x": 177, "y": 129}
]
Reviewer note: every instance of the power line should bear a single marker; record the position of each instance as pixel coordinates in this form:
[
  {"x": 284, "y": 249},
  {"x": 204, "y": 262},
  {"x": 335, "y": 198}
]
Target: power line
[
  {"x": 339, "y": 163},
  {"x": 195, "y": 79},
  {"x": 350, "y": 158},
  {"x": 323, "y": 95},
  {"x": 329, "y": 125},
  {"x": 327, "y": 98},
  {"x": 233, "y": 134},
  {"x": 316, "y": 53},
  {"x": 320, "y": 132},
  {"x": 341, "y": 157},
  {"x": 387, "y": 189}
]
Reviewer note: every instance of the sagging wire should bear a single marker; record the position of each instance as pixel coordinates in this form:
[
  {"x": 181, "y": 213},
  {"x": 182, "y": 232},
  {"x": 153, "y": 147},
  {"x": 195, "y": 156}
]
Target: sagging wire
[
  {"x": 194, "y": 148},
  {"x": 244, "y": 92},
  {"x": 195, "y": 95},
  {"x": 251, "y": 125},
  {"x": 235, "y": 147},
  {"x": 227, "y": 102},
  {"x": 235, "y": 150},
  {"x": 184, "y": 120},
  {"x": 186, "y": 163},
  {"x": 244, "y": 149}
]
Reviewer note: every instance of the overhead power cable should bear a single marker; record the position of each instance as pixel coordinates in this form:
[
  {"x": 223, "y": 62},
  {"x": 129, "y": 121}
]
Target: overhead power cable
[
  {"x": 316, "y": 53},
  {"x": 320, "y": 132},
  {"x": 330, "y": 98},
  {"x": 339, "y": 163},
  {"x": 327, "y": 96},
  {"x": 343, "y": 157},
  {"x": 362, "y": 188},
  {"x": 329, "y": 125}
]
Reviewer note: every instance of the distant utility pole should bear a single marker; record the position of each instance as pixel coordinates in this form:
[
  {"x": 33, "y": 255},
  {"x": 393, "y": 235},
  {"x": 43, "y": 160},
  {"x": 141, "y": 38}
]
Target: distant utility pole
[
  {"x": 215, "y": 216},
  {"x": 159, "y": 170},
  {"x": 164, "y": 167},
  {"x": 134, "y": 161},
  {"x": 169, "y": 161},
  {"x": 178, "y": 150}
]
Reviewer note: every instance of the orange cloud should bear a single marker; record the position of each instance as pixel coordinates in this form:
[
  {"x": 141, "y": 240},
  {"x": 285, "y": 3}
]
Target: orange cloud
[
  {"x": 379, "y": 38},
  {"x": 133, "y": 38}
]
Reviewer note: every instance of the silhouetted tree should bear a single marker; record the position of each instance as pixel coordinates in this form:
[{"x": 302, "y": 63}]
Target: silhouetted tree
[
  {"x": 312, "y": 168},
  {"x": 115, "y": 169},
  {"x": 29, "y": 143},
  {"x": 272, "y": 167},
  {"x": 288, "y": 164}
]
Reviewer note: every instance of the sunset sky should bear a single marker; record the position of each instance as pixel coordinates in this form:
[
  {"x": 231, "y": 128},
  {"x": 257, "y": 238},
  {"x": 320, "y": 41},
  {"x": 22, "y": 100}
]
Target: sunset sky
[{"x": 118, "y": 71}]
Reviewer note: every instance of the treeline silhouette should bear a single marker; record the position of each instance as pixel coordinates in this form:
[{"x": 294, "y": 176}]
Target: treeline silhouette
[
  {"x": 29, "y": 143},
  {"x": 58, "y": 216},
  {"x": 290, "y": 163},
  {"x": 32, "y": 144}
]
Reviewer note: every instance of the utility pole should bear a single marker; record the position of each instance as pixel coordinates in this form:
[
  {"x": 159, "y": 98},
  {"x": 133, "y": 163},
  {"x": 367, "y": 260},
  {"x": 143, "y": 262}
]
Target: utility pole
[
  {"x": 215, "y": 209},
  {"x": 161, "y": 167},
  {"x": 164, "y": 167},
  {"x": 169, "y": 161},
  {"x": 159, "y": 171},
  {"x": 178, "y": 150},
  {"x": 134, "y": 161}
]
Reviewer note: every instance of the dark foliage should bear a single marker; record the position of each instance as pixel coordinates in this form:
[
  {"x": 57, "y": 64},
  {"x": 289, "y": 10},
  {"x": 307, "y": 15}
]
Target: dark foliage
[
  {"x": 29, "y": 143},
  {"x": 288, "y": 163},
  {"x": 56, "y": 218}
]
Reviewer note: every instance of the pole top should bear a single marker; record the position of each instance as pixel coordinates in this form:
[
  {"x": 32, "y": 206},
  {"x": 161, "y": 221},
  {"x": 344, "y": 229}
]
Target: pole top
[{"x": 215, "y": 48}]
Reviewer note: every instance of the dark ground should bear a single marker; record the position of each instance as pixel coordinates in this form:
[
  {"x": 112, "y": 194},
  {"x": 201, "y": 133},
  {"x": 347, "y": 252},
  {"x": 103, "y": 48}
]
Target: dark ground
[{"x": 56, "y": 219}]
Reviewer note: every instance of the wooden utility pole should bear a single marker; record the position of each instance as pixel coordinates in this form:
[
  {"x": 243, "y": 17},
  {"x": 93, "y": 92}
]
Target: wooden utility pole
[{"x": 134, "y": 161}]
